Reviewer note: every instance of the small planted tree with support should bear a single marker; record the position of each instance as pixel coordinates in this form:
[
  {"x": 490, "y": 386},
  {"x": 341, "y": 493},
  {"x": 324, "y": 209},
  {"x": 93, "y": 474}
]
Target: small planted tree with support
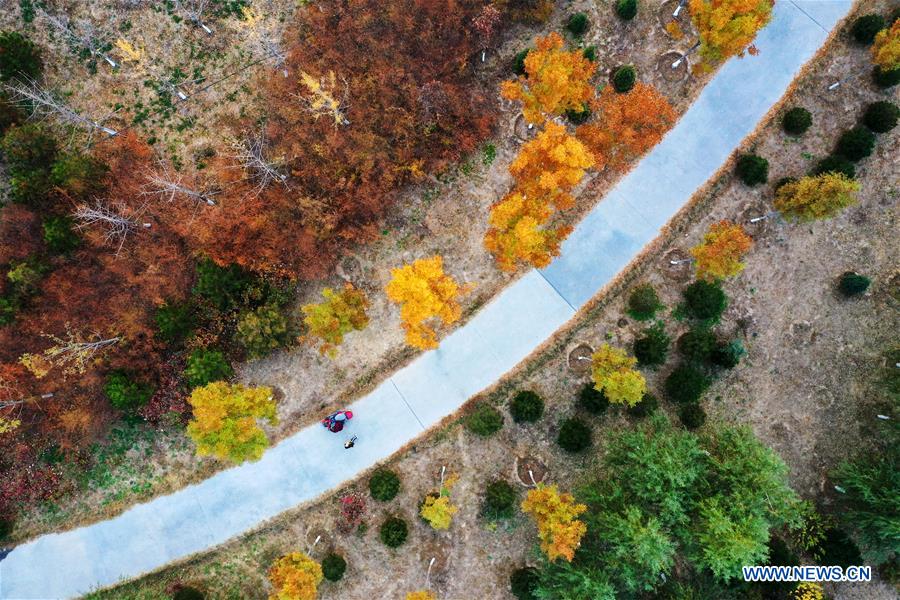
[
  {"x": 31, "y": 96},
  {"x": 194, "y": 11},
  {"x": 84, "y": 36}
]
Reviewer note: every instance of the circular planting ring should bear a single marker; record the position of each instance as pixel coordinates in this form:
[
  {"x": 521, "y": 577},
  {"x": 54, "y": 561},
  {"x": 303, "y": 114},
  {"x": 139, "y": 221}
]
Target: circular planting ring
[
  {"x": 580, "y": 359},
  {"x": 521, "y": 129},
  {"x": 350, "y": 269},
  {"x": 681, "y": 271},
  {"x": 324, "y": 537},
  {"x": 439, "y": 550},
  {"x": 669, "y": 73},
  {"x": 757, "y": 227},
  {"x": 528, "y": 467},
  {"x": 664, "y": 14}
]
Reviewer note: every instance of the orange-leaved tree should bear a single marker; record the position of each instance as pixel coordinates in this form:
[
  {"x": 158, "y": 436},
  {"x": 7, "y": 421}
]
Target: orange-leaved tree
[
  {"x": 225, "y": 420},
  {"x": 719, "y": 254},
  {"x": 341, "y": 312},
  {"x": 424, "y": 293},
  {"x": 613, "y": 373},
  {"x": 816, "y": 197},
  {"x": 294, "y": 576},
  {"x": 886, "y": 49},
  {"x": 626, "y": 125},
  {"x": 519, "y": 232},
  {"x": 728, "y": 27},
  {"x": 556, "y": 80},
  {"x": 556, "y": 517}
]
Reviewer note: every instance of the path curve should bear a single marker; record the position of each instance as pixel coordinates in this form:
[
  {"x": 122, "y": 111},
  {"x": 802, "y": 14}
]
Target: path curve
[{"x": 437, "y": 383}]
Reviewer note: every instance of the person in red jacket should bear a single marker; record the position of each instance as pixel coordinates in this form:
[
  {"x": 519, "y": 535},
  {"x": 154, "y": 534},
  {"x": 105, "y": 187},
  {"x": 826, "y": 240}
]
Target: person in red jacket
[{"x": 335, "y": 421}]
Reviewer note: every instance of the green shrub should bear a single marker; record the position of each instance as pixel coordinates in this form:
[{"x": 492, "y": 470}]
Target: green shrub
[
  {"x": 19, "y": 57},
  {"x": 866, "y": 27},
  {"x": 574, "y": 436},
  {"x": 652, "y": 348},
  {"x": 783, "y": 181},
  {"x": 125, "y": 393},
  {"x": 839, "y": 549},
  {"x": 186, "y": 592},
  {"x": 728, "y": 354},
  {"x": 796, "y": 121},
  {"x": 333, "y": 566},
  {"x": 523, "y": 583},
  {"x": 518, "y": 66},
  {"x": 856, "y": 144},
  {"x": 25, "y": 276},
  {"x": 578, "y": 24},
  {"x": 592, "y": 400},
  {"x": 881, "y": 116},
  {"x": 686, "y": 384},
  {"x": 853, "y": 284},
  {"x": 752, "y": 169},
  {"x": 60, "y": 235},
  {"x": 623, "y": 79},
  {"x": 9, "y": 306},
  {"x": 643, "y": 303},
  {"x": 10, "y": 114},
  {"x": 692, "y": 415},
  {"x": 590, "y": 53},
  {"x": 393, "y": 532},
  {"x": 526, "y": 407},
  {"x": 646, "y": 407},
  {"x": 175, "y": 322},
  {"x": 29, "y": 152},
  {"x": 223, "y": 287},
  {"x": 6, "y": 528},
  {"x": 626, "y": 9},
  {"x": 205, "y": 366},
  {"x": 485, "y": 420},
  {"x": 384, "y": 485},
  {"x": 886, "y": 79},
  {"x": 263, "y": 330},
  {"x": 499, "y": 500},
  {"x": 580, "y": 116},
  {"x": 79, "y": 175},
  {"x": 696, "y": 345},
  {"x": 835, "y": 164},
  {"x": 704, "y": 300}
]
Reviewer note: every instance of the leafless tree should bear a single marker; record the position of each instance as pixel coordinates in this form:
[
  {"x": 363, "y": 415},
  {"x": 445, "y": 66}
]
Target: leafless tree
[
  {"x": 83, "y": 34},
  {"x": 118, "y": 226},
  {"x": 40, "y": 101},
  {"x": 264, "y": 40},
  {"x": 193, "y": 10},
  {"x": 168, "y": 185},
  {"x": 252, "y": 154}
]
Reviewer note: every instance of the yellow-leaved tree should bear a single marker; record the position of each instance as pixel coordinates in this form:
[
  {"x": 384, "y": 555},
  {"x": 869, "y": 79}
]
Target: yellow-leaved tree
[
  {"x": 437, "y": 508},
  {"x": 519, "y": 232},
  {"x": 613, "y": 373},
  {"x": 816, "y": 197},
  {"x": 421, "y": 595},
  {"x": 556, "y": 80},
  {"x": 341, "y": 312},
  {"x": 425, "y": 293},
  {"x": 556, "y": 517},
  {"x": 728, "y": 27},
  {"x": 294, "y": 576},
  {"x": 225, "y": 420},
  {"x": 719, "y": 254},
  {"x": 886, "y": 49}
]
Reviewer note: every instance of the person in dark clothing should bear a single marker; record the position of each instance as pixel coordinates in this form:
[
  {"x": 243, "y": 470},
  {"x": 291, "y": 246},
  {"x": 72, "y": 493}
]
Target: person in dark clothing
[{"x": 350, "y": 443}]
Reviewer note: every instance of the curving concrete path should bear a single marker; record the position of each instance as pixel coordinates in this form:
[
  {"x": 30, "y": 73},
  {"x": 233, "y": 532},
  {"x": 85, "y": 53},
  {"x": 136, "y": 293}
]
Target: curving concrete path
[{"x": 436, "y": 384}]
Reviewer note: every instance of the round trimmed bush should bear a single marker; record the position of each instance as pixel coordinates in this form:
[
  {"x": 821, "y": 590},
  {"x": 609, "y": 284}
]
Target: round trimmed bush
[
  {"x": 60, "y": 235},
  {"x": 592, "y": 400},
  {"x": 866, "y": 27},
  {"x": 796, "y": 121},
  {"x": 578, "y": 24},
  {"x": 626, "y": 9},
  {"x": 523, "y": 583},
  {"x": 263, "y": 330},
  {"x": 881, "y": 116},
  {"x": 886, "y": 79},
  {"x": 853, "y": 284},
  {"x": 333, "y": 567},
  {"x": 19, "y": 57},
  {"x": 125, "y": 393},
  {"x": 646, "y": 407},
  {"x": 704, "y": 300},
  {"x": 174, "y": 322},
  {"x": 590, "y": 53},
  {"x": 205, "y": 366},
  {"x": 526, "y": 407},
  {"x": 518, "y": 66},
  {"x": 835, "y": 164},
  {"x": 728, "y": 354},
  {"x": 186, "y": 592},
  {"x": 752, "y": 169},
  {"x": 499, "y": 500},
  {"x": 574, "y": 436},
  {"x": 384, "y": 485},
  {"x": 652, "y": 347},
  {"x": 223, "y": 287},
  {"x": 692, "y": 415},
  {"x": 856, "y": 144},
  {"x": 485, "y": 420},
  {"x": 643, "y": 303},
  {"x": 686, "y": 384},
  {"x": 393, "y": 532},
  {"x": 623, "y": 79},
  {"x": 577, "y": 117},
  {"x": 696, "y": 345}
]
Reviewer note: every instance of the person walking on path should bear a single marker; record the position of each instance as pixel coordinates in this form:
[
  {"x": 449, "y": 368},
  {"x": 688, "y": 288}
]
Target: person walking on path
[
  {"x": 350, "y": 443},
  {"x": 335, "y": 421}
]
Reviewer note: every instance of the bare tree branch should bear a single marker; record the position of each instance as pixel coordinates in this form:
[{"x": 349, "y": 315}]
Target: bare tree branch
[
  {"x": 168, "y": 185},
  {"x": 117, "y": 225},
  {"x": 193, "y": 11},
  {"x": 251, "y": 154},
  {"x": 31, "y": 96},
  {"x": 74, "y": 353},
  {"x": 84, "y": 34}
]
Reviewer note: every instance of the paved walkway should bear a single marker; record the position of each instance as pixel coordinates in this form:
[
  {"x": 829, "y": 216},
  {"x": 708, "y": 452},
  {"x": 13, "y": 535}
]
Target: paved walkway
[{"x": 436, "y": 384}]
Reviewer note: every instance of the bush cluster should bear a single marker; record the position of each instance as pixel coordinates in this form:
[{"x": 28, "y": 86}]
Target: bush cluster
[
  {"x": 626, "y": 9},
  {"x": 578, "y": 24},
  {"x": 853, "y": 284},
  {"x": 881, "y": 116},
  {"x": 393, "y": 532},
  {"x": 835, "y": 164},
  {"x": 574, "y": 435},
  {"x": 646, "y": 407},
  {"x": 60, "y": 235},
  {"x": 865, "y": 28},
  {"x": 643, "y": 303},
  {"x": 124, "y": 392},
  {"x": 697, "y": 344},
  {"x": 728, "y": 354},
  {"x": 263, "y": 330},
  {"x": 186, "y": 592},
  {"x": 856, "y": 144},
  {"x": 526, "y": 407},
  {"x": 704, "y": 300},
  {"x": 692, "y": 415},
  {"x": 518, "y": 65},
  {"x": 578, "y": 117},
  {"x": 19, "y": 57},
  {"x": 652, "y": 348},
  {"x": 333, "y": 567},
  {"x": 592, "y": 400},
  {"x": 384, "y": 485},
  {"x": 205, "y": 366},
  {"x": 686, "y": 384},
  {"x": 523, "y": 583},
  {"x": 499, "y": 500},
  {"x": 886, "y": 79},
  {"x": 590, "y": 53},
  {"x": 624, "y": 78},
  {"x": 485, "y": 420},
  {"x": 174, "y": 322},
  {"x": 752, "y": 169},
  {"x": 796, "y": 121}
]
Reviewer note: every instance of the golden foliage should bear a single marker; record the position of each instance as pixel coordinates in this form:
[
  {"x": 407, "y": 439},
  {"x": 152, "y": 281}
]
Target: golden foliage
[
  {"x": 808, "y": 590},
  {"x": 128, "y": 52},
  {"x": 421, "y": 595},
  {"x": 340, "y": 313},
  {"x": 424, "y": 292},
  {"x": 556, "y": 80},
  {"x": 816, "y": 197},
  {"x": 550, "y": 165},
  {"x": 518, "y": 232},
  {"x": 613, "y": 373},
  {"x": 7, "y": 425},
  {"x": 321, "y": 99},
  {"x": 437, "y": 509},
  {"x": 225, "y": 420},
  {"x": 728, "y": 27},
  {"x": 719, "y": 254},
  {"x": 36, "y": 364},
  {"x": 294, "y": 576},
  {"x": 675, "y": 30},
  {"x": 886, "y": 49},
  {"x": 555, "y": 515},
  {"x": 626, "y": 125}
]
